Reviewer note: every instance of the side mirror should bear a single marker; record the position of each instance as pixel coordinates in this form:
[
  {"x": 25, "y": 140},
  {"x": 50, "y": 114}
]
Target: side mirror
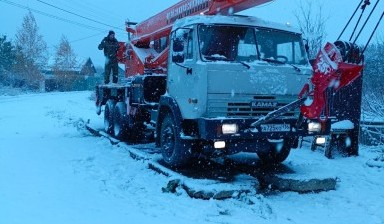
[
  {"x": 178, "y": 45},
  {"x": 306, "y": 46},
  {"x": 179, "y": 40},
  {"x": 178, "y": 57},
  {"x": 178, "y": 50}
]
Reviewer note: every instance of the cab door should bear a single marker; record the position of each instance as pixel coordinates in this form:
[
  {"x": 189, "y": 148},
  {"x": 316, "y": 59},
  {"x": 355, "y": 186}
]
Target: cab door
[{"x": 183, "y": 82}]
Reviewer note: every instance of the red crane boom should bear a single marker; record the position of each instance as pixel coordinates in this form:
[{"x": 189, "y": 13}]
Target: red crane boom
[{"x": 160, "y": 25}]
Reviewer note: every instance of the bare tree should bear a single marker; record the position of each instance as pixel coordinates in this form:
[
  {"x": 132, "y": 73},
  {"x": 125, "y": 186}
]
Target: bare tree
[
  {"x": 311, "y": 21},
  {"x": 31, "y": 52},
  {"x": 65, "y": 64},
  {"x": 65, "y": 57},
  {"x": 373, "y": 106}
]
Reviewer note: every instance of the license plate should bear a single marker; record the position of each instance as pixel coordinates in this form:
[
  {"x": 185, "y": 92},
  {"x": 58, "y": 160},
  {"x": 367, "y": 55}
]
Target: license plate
[{"x": 275, "y": 127}]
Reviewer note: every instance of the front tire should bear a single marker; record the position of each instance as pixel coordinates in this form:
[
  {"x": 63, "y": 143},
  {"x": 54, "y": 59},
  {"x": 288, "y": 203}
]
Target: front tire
[
  {"x": 176, "y": 152},
  {"x": 276, "y": 153}
]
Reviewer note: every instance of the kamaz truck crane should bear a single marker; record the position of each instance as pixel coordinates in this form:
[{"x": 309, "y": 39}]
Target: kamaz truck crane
[{"x": 205, "y": 81}]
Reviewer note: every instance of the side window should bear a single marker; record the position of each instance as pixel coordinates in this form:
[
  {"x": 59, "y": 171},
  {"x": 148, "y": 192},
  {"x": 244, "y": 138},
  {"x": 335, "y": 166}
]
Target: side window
[{"x": 190, "y": 45}]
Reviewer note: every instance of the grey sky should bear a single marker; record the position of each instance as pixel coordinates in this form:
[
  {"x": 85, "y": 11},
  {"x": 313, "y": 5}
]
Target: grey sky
[{"x": 85, "y": 37}]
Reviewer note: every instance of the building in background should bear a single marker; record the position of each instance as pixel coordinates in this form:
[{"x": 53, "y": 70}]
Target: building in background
[{"x": 83, "y": 77}]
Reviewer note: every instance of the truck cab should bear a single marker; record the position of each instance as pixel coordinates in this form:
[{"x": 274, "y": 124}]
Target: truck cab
[{"x": 226, "y": 61}]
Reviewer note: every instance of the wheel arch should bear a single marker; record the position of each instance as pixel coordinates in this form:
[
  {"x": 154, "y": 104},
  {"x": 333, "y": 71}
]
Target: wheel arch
[{"x": 168, "y": 105}]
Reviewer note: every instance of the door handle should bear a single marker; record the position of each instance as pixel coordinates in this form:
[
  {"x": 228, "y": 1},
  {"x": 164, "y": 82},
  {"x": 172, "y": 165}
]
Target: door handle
[{"x": 189, "y": 71}]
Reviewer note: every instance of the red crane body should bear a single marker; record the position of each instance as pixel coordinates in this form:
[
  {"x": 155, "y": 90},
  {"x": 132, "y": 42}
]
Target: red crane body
[{"x": 330, "y": 72}]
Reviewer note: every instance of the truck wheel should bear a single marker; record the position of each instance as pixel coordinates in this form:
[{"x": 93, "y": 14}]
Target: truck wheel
[
  {"x": 176, "y": 152},
  {"x": 120, "y": 123},
  {"x": 108, "y": 116},
  {"x": 137, "y": 135},
  {"x": 345, "y": 145},
  {"x": 353, "y": 144},
  {"x": 275, "y": 154}
]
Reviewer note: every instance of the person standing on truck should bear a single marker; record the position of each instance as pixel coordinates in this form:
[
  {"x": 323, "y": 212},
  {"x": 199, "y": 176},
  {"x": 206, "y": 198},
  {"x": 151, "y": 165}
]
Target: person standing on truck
[{"x": 110, "y": 46}]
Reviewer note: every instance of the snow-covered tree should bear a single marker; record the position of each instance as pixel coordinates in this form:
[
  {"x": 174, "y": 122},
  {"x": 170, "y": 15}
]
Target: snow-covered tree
[
  {"x": 7, "y": 60},
  {"x": 65, "y": 58},
  {"x": 31, "y": 51},
  {"x": 7, "y": 54},
  {"x": 65, "y": 65},
  {"x": 311, "y": 21},
  {"x": 373, "y": 99},
  {"x": 374, "y": 68}
]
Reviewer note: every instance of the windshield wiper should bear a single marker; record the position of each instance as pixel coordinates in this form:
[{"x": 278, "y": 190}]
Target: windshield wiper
[
  {"x": 215, "y": 58},
  {"x": 222, "y": 58},
  {"x": 243, "y": 63},
  {"x": 281, "y": 63},
  {"x": 273, "y": 61},
  {"x": 295, "y": 67}
]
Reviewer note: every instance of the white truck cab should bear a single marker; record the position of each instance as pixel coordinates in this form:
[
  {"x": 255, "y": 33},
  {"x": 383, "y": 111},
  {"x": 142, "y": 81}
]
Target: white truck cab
[{"x": 234, "y": 66}]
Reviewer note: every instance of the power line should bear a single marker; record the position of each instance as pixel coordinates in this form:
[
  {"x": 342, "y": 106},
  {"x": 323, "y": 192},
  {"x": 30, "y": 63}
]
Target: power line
[
  {"x": 86, "y": 8},
  {"x": 64, "y": 10},
  {"x": 52, "y": 16},
  {"x": 94, "y": 35},
  {"x": 87, "y": 37}
]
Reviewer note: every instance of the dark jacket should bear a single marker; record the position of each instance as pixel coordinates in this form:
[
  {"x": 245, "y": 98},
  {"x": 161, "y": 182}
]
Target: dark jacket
[{"x": 110, "y": 46}]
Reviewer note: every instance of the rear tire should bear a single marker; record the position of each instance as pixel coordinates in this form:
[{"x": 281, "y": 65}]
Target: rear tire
[
  {"x": 176, "y": 152},
  {"x": 108, "y": 116},
  {"x": 353, "y": 146},
  {"x": 337, "y": 146},
  {"x": 344, "y": 144},
  {"x": 120, "y": 121},
  {"x": 275, "y": 154}
]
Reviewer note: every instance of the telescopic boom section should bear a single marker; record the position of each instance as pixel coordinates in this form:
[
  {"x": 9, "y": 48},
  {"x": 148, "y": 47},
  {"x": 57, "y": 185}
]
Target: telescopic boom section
[{"x": 160, "y": 26}]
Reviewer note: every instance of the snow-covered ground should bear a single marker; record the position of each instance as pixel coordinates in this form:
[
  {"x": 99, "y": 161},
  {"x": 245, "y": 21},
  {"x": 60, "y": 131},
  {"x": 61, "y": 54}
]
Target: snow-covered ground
[{"x": 53, "y": 171}]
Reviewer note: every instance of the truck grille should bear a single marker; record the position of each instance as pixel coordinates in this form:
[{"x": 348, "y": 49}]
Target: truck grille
[{"x": 232, "y": 107}]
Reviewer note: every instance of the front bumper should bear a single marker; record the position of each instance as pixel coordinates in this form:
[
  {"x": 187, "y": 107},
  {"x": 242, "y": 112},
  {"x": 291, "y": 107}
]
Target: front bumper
[
  {"x": 252, "y": 139},
  {"x": 211, "y": 129}
]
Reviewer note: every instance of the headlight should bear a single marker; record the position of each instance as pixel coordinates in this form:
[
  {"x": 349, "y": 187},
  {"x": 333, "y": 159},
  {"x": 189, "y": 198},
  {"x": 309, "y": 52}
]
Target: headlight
[
  {"x": 314, "y": 127},
  {"x": 219, "y": 145},
  {"x": 320, "y": 140},
  {"x": 229, "y": 128}
]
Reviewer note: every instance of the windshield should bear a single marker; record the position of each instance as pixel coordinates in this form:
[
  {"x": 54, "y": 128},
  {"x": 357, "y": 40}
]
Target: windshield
[{"x": 247, "y": 44}]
